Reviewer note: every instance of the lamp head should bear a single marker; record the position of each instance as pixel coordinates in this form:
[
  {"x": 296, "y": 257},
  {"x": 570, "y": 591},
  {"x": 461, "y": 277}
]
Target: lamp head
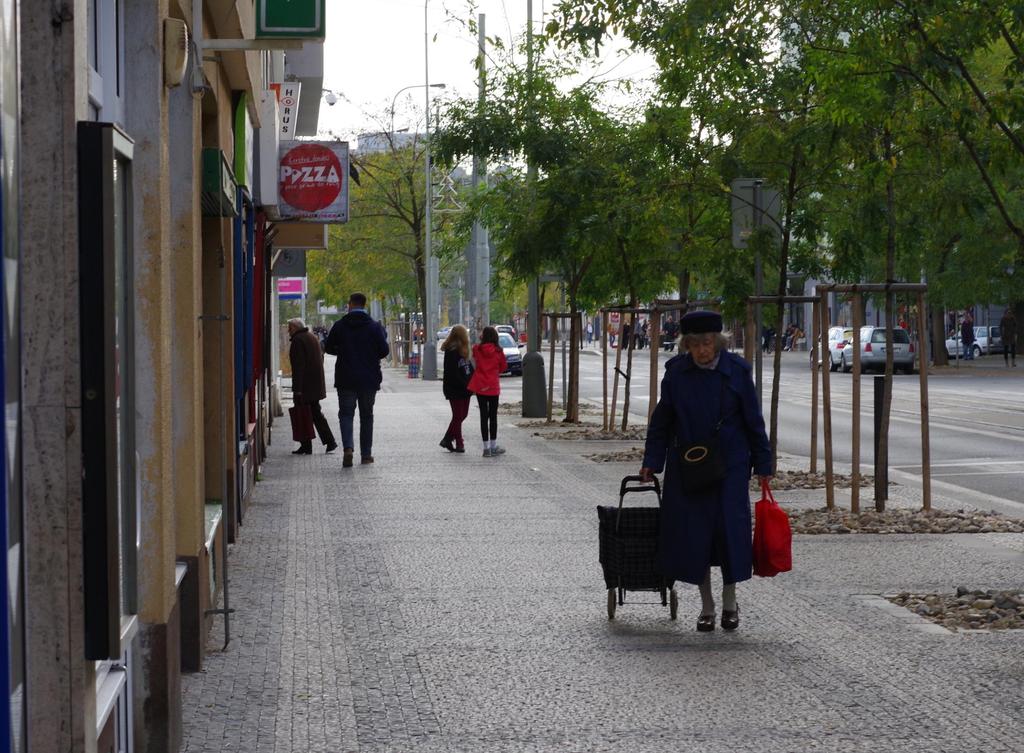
[{"x": 330, "y": 98}]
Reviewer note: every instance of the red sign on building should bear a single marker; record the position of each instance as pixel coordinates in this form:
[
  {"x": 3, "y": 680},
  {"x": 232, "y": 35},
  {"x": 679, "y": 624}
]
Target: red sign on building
[{"x": 313, "y": 181}]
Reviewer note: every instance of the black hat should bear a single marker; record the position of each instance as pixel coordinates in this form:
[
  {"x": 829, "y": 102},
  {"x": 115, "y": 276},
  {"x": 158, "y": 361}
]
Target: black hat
[{"x": 699, "y": 322}]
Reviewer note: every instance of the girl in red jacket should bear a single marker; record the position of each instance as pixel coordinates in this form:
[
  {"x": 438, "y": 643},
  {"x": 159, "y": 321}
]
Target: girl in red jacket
[{"x": 490, "y": 362}]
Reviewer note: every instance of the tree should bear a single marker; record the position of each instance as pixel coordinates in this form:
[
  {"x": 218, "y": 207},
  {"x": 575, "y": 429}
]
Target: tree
[{"x": 382, "y": 247}]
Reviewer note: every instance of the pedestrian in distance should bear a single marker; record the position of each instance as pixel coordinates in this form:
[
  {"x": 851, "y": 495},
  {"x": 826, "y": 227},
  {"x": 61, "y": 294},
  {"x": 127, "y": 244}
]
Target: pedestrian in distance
[
  {"x": 308, "y": 384},
  {"x": 671, "y": 332},
  {"x": 359, "y": 342},
  {"x": 457, "y": 371},
  {"x": 590, "y": 333},
  {"x": 1008, "y": 329},
  {"x": 967, "y": 336},
  {"x": 708, "y": 409},
  {"x": 485, "y": 383}
]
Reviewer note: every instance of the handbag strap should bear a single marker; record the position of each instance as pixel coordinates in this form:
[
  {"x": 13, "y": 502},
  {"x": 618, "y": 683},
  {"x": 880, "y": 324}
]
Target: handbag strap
[
  {"x": 721, "y": 414},
  {"x": 721, "y": 409},
  {"x": 766, "y": 492}
]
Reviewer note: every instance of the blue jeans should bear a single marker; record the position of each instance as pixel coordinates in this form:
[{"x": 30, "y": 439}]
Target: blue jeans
[{"x": 348, "y": 399}]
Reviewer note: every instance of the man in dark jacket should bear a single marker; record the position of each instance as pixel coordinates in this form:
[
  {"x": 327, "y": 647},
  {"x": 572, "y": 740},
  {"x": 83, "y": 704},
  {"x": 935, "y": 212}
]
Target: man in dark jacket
[
  {"x": 967, "y": 336},
  {"x": 1008, "y": 325},
  {"x": 359, "y": 342},
  {"x": 308, "y": 386}
]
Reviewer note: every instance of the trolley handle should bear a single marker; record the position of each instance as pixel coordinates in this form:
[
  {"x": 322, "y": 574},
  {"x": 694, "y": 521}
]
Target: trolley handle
[{"x": 625, "y": 489}]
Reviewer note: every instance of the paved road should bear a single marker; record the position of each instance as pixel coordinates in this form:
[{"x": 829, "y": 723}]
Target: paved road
[
  {"x": 451, "y": 603},
  {"x": 976, "y": 418}
]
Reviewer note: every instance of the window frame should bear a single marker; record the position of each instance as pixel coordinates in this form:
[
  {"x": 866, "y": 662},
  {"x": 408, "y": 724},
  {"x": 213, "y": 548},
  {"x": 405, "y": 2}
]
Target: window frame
[
  {"x": 109, "y": 486},
  {"x": 106, "y": 60}
]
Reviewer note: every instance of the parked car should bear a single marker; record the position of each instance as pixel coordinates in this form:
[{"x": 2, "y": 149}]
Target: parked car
[
  {"x": 443, "y": 333},
  {"x": 839, "y": 338},
  {"x": 987, "y": 340},
  {"x": 512, "y": 354},
  {"x": 872, "y": 350},
  {"x": 508, "y": 329}
]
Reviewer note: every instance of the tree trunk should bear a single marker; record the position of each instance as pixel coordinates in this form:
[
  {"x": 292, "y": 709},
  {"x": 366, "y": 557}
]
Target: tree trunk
[
  {"x": 938, "y": 327},
  {"x": 684, "y": 285}
]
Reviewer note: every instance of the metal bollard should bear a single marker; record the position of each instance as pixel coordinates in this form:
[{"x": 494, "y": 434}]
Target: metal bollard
[{"x": 881, "y": 464}]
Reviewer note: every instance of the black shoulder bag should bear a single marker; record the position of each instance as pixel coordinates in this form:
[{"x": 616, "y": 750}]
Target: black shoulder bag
[{"x": 701, "y": 464}]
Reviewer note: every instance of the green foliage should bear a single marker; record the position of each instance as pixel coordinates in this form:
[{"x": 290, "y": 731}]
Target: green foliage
[
  {"x": 381, "y": 249},
  {"x": 838, "y": 104}
]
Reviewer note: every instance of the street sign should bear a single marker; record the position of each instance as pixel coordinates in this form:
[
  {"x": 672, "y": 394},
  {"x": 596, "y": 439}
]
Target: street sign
[
  {"x": 291, "y": 288},
  {"x": 291, "y": 262},
  {"x": 749, "y": 194},
  {"x": 290, "y": 19}
]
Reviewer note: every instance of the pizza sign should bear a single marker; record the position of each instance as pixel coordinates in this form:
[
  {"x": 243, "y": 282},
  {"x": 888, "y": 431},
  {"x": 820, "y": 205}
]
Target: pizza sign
[{"x": 313, "y": 181}]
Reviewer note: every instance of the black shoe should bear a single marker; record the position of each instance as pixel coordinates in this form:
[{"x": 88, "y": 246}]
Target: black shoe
[
  {"x": 731, "y": 619},
  {"x": 303, "y": 450},
  {"x": 331, "y": 448},
  {"x": 447, "y": 444},
  {"x": 459, "y": 449},
  {"x": 705, "y": 623}
]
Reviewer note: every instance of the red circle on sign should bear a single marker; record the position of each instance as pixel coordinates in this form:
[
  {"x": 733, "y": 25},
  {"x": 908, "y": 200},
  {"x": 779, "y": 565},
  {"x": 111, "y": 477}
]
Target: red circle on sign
[{"x": 310, "y": 177}]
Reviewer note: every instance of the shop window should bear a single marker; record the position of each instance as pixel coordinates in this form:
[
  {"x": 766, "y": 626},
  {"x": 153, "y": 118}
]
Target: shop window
[
  {"x": 110, "y": 518},
  {"x": 110, "y": 526}
]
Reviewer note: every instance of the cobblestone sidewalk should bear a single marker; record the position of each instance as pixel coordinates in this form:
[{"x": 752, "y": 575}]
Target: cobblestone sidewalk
[{"x": 439, "y": 602}]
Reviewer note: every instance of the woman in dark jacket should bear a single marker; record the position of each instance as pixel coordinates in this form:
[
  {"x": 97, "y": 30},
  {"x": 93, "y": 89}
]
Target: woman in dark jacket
[
  {"x": 457, "y": 371},
  {"x": 707, "y": 394}
]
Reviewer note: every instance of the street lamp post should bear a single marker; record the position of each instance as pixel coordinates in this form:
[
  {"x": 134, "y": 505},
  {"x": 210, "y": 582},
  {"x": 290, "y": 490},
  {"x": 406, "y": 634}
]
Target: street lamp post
[
  {"x": 394, "y": 99},
  {"x": 429, "y": 366},
  {"x": 430, "y": 302}
]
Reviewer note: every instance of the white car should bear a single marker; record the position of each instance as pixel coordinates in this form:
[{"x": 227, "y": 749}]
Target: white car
[
  {"x": 987, "y": 340},
  {"x": 839, "y": 339},
  {"x": 513, "y": 356}
]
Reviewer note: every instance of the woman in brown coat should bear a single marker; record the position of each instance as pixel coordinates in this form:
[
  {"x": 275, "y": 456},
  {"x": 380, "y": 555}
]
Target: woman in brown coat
[{"x": 308, "y": 386}]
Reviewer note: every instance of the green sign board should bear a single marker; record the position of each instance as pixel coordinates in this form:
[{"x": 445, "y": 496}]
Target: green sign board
[
  {"x": 299, "y": 19},
  {"x": 218, "y": 195}
]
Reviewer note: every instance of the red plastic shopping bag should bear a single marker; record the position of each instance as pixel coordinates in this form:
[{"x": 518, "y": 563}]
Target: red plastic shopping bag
[{"x": 772, "y": 536}]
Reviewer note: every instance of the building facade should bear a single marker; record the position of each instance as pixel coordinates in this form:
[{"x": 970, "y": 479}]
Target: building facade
[{"x": 136, "y": 325}]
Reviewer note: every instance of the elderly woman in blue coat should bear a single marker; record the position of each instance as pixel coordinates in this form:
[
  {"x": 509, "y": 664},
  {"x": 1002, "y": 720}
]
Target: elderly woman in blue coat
[{"x": 709, "y": 412}]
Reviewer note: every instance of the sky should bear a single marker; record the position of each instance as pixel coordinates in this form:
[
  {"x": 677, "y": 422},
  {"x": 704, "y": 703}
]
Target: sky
[{"x": 374, "y": 49}]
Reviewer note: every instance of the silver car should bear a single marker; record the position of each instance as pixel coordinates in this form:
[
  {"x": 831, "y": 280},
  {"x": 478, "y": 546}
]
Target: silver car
[
  {"x": 987, "y": 340},
  {"x": 872, "y": 350},
  {"x": 513, "y": 356},
  {"x": 839, "y": 338}
]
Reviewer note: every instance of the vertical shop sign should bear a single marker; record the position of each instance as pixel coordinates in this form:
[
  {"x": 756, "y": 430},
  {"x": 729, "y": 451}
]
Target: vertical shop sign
[
  {"x": 288, "y": 107},
  {"x": 243, "y": 143}
]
